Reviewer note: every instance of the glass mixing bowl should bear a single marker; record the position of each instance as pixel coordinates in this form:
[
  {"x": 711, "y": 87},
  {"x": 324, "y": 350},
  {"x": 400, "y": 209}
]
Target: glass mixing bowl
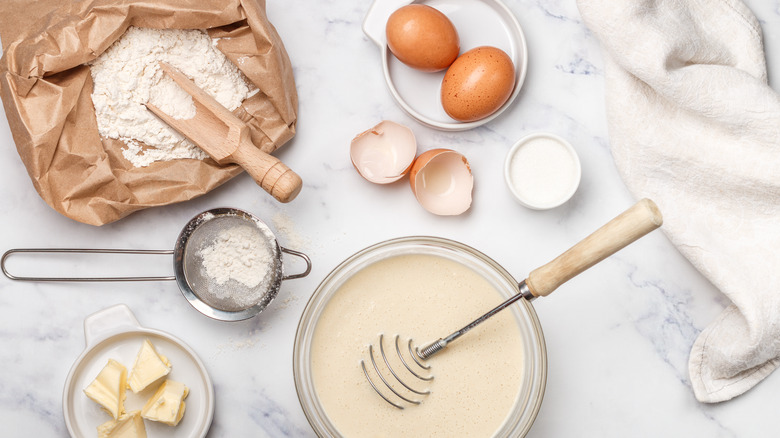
[{"x": 531, "y": 391}]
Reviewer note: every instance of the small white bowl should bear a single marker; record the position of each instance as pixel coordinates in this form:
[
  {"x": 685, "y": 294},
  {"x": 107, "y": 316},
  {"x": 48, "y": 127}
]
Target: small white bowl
[{"x": 542, "y": 171}]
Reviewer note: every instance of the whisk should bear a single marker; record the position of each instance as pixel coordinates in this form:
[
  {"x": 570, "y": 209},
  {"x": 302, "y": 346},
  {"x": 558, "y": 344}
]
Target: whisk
[{"x": 624, "y": 229}]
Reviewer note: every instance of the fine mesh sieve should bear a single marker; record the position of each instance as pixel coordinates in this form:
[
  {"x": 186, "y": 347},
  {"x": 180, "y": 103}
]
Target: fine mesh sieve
[
  {"x": 231, "y": 300},
  {"x": 227, "y": 300}
]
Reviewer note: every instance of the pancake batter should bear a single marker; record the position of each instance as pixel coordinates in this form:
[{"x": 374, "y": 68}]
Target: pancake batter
[{"x": 477, "y": 378}]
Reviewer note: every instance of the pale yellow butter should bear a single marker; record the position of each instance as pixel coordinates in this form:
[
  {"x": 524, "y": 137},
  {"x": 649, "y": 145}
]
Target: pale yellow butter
[
  {"x": 149, "y": 367},
  {"x": 167, "y": 404},
  {"x": 129, "y": 425},
  {"x": 108, "y": 388}
]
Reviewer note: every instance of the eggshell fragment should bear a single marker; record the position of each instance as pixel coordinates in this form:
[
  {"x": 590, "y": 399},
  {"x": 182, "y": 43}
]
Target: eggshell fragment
[
  {"x": 384, "y": 153},
  {"x": 442, "y": 182},
  {"x": 422, "y": 37},
  {"x": 477, "y": 84}
]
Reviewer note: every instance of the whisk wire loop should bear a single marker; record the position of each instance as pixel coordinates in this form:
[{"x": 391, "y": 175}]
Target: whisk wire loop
[
  {"x": 365, "y": 371},
  {"x": 413, "y": 354},
  {"x": 392, "y": 370},
  {"x": 381, "y": 373}
]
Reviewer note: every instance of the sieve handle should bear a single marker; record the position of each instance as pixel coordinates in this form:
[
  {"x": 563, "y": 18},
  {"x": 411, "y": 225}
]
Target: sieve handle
[
  {"x": 305, "y": 258},
  {"x": 10, "y": 252}
]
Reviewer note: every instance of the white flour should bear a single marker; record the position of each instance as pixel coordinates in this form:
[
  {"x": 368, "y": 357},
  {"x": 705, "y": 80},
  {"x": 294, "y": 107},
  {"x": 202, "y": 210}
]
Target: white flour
[
  {"x": 239, "y": 253},
  {"x": 128, "y": 75}
]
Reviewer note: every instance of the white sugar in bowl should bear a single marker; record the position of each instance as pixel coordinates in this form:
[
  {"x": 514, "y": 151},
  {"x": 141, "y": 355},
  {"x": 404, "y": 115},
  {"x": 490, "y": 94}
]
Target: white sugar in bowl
[{"x": 542, "y": 171}]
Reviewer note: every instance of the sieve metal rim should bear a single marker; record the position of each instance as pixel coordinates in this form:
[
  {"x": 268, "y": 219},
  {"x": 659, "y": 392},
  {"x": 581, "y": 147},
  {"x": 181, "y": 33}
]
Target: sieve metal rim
[{"x": 180, "y": 249}]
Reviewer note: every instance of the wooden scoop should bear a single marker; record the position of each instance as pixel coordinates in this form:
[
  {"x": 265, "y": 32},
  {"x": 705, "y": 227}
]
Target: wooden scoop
[{"x": 226, "y": 139}]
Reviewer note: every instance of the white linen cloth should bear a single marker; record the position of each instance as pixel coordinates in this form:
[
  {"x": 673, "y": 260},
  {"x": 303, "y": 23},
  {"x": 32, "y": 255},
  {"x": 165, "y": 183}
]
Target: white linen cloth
[{"x": 694, "y": 126}]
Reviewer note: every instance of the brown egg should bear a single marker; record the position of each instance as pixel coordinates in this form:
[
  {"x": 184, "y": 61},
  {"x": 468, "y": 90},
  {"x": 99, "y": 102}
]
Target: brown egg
[
  {"x": 422, "y": 38},
  {"x": 477, "y": 84}
]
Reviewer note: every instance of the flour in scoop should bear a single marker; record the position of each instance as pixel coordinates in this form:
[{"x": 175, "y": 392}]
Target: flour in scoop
[
  {"x": 240, "y": 253},
  {"x": 543, "y": 172},
  {"x": 127, "y": 75}
]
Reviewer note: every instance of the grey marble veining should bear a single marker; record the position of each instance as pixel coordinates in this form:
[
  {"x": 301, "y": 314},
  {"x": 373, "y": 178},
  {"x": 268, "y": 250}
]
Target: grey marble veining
[{"x": 617, "y": 337}]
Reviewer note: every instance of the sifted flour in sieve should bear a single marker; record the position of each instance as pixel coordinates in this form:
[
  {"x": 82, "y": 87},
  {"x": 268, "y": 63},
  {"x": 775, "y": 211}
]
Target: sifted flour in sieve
[
  {"x": 238, "y": 253},
  {"x": 127, "y": 75}
]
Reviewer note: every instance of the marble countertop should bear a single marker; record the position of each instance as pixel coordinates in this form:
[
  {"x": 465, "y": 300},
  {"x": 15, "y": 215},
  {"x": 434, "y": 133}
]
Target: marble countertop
[{"x": 617, "y": 336}]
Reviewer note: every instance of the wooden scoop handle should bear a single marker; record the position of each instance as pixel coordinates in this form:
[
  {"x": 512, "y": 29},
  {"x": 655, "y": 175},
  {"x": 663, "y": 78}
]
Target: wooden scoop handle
[
  {"x": 629, "y": 226},
  {"x": 268, "y": 171},
  {"x": 226, "y": 139}
]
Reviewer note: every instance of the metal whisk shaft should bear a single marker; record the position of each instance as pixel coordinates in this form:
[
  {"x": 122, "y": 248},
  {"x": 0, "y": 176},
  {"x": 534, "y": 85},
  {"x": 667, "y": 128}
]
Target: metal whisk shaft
[{"x": 439, "y": 344}]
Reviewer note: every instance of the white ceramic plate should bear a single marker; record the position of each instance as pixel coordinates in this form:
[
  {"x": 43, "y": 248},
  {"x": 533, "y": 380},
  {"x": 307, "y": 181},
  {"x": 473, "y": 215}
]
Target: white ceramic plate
[
  {"x": 479, "y": 23},
  {"x": 114, "y": 333}
]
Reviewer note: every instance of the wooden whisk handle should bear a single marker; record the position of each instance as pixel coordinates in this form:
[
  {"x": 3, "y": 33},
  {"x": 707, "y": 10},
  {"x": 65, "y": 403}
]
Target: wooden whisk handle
[{"x": 629, "y": 226}]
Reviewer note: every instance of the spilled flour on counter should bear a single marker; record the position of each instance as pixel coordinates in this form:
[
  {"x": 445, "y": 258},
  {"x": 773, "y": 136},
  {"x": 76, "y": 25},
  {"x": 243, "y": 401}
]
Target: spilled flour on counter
[
  {"x": 238, "y": 253},
  {"x": 127, "y": 76},
  {"x": 285, "y": 226}
]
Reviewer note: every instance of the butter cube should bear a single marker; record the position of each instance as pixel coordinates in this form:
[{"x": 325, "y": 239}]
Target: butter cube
[
  {"x": 129, "y": 425},
  {"x": 149, "y": 367},
  {"x": 167, "y": 404},
  {"x": 108, "y": 388}
]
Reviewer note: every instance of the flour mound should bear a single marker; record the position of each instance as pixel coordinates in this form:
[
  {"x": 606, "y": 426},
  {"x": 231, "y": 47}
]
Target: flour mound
[{"x": 128, "y": 75}]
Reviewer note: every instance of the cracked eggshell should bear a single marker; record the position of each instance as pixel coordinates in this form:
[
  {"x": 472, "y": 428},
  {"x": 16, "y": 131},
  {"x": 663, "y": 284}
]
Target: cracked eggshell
[
  {"x": 384, "y": 153},
  {"x": 442, "y": 182}
]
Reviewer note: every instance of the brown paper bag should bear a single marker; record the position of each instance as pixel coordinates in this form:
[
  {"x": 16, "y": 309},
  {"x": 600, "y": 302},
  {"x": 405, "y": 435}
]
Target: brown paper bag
[{"x": 46, "y": 89}]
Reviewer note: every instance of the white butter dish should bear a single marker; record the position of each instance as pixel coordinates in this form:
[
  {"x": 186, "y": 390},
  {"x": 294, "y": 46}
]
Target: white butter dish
[{"x": 114, "y": 333}]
